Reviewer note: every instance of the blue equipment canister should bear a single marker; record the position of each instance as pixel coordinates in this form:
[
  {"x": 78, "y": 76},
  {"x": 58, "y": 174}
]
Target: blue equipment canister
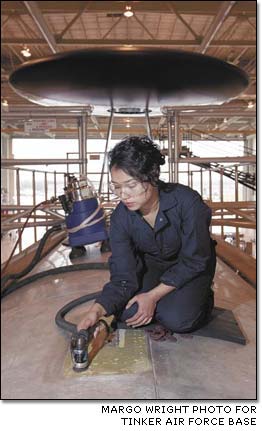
[
  {"x": 93, "y": 230},
  {"x": 84, "y": 217}
]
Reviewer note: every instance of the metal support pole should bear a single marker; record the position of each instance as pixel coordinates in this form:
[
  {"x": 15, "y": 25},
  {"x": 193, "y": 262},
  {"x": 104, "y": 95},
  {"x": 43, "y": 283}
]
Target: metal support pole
[
  {"x": 55, "y": 183},
  {"x": 18, "y": 225},
  {"x": 46, "y": 191},
  {"x": 108, "y": 138},
  {"x": 34, "y": 202},
  {"x": 148, "y": 125},
  {"x": 82, "y": 145},
  {"x": 108, "y": 189},
  {"x": 210, "y": 195},
  {"x": 236, "y": 183},
  {"x": 29, "y": 207},
  {"x": 201, "y": 181},
  {"x": 222, "y": 199},
  {"x": 177, "y": 147},
  {"x": 170, "y": 153},
  {"x": 46, "y": 188},
  {"x": 15, "y": 217},
  {"x": 18, "y": 203},
  {"x": 191, "y": 179},
  {"x": 67, "y": 166},
  {"x": 236, "y": 199},
  {"x": 210, "y": 185},
  {"x": 17, "y": 187},
  {"x": 14, "y": 162}
]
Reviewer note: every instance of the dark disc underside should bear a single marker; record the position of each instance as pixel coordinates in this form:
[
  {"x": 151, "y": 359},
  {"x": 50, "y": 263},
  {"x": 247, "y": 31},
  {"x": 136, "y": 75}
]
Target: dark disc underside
[{"x": 134, "y": 78}]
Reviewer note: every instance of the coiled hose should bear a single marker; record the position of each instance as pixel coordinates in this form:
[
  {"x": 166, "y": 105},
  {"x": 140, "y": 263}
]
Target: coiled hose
[
  {"x": 59, "y": 319},
  {"x": 36, "y": 258},
  {"x": 14, "y": 285},
  {"x": 62, "y": 269}
]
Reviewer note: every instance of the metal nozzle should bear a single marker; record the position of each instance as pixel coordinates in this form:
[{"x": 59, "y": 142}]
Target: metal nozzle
[
  {"x": 79, "y": 346},
  {"x": 79, "y": 353}
]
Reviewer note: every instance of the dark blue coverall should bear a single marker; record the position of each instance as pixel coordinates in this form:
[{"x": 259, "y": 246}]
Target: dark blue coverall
[{"x": 178, "y": 251}]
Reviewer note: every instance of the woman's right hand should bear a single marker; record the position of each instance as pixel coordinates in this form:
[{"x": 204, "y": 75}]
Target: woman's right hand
[{"x": 92, "y": 316}]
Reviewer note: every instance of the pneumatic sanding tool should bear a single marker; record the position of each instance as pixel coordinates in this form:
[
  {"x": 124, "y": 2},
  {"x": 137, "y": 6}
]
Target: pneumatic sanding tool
[
  {"x": 81, "y": 355},
  {"x": 79, "y": 350}
]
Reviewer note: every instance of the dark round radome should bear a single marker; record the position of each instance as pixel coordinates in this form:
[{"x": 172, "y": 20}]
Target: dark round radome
[{"x": 135, "y": 78}]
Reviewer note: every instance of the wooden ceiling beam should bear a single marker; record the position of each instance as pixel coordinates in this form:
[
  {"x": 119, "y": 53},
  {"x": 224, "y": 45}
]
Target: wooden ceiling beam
[
  {"x": 144, "y": 27},
  {"x": 20, "y": 58},
  {"x": 112, "y": 27},
  {"x": 178, "y": 15},
  {"x": 76, "y": 17},
  {"x": 12, "y": 15}
]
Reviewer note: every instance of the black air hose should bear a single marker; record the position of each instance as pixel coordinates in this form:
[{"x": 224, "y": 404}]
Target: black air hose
[
  {"x": 62, "y": 269},
  {"x": 59, "y": 318},
  {"x": 35, "y": 259}
]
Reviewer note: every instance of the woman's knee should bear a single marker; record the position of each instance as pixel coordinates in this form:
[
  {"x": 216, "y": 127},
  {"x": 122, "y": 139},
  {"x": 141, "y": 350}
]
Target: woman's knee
[
  {"x": 176, "y": 323},
  {"x": 184, "y": 321},
  {"x": 180, "y": 312}
]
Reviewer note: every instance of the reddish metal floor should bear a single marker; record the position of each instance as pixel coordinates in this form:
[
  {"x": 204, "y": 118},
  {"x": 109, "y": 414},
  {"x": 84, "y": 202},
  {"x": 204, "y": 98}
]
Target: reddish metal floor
[{"x": 34, "y": 350}]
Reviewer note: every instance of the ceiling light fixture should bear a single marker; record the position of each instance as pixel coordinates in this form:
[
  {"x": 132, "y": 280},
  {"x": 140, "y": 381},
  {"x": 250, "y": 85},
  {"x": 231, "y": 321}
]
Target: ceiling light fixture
[
  {"x": 5, "y": 102},
  {"x": 26, "y": 52},
  {"x": 250, "y": 104},
  {"x": 128, "y": 12}
]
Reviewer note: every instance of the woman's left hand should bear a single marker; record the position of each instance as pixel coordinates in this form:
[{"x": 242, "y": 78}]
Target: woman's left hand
[{"x": 146, "y": 308}]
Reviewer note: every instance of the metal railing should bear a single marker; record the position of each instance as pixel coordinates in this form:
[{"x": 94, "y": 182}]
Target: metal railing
[
  {"x": 42, "y": 185},
  {"x": 24, "y": 193}
]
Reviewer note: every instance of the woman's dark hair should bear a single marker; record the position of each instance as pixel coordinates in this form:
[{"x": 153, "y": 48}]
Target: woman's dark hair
[{"x": 139, "y": 157}]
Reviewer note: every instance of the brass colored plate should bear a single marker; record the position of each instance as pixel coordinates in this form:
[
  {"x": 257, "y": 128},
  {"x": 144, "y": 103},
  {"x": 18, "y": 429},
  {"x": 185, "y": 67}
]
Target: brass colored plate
[{"x": 127, "y": 353}]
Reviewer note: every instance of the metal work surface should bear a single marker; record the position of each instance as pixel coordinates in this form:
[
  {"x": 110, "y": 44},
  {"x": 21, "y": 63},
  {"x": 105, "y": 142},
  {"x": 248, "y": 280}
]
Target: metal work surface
[{"x": 35, "y": 352}]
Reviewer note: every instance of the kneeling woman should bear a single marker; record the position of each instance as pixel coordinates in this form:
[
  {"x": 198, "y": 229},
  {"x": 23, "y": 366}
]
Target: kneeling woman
[{"x": 163, "y": 259}]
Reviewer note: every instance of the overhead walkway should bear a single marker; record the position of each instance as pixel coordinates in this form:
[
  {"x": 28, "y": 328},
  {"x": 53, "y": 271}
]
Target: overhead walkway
[{"x": 244, "y": 178}]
